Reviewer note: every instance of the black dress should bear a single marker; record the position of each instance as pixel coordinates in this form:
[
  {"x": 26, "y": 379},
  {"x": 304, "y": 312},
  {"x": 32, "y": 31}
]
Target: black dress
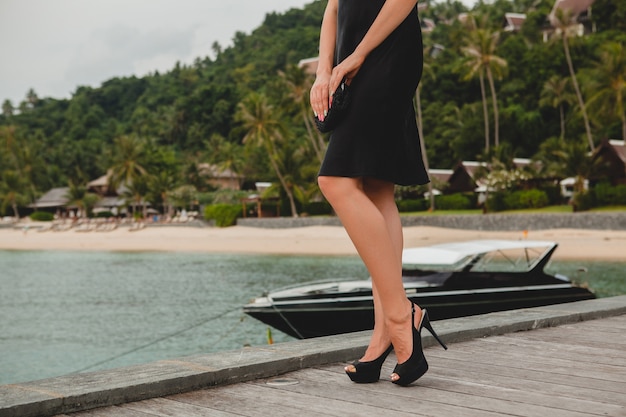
[{"x": 379, "y": 137}]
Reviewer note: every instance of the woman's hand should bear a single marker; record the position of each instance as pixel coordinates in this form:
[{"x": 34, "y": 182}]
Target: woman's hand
[
  {"x": 320, "y": 97},
  {"x": 346, "y": 70},
  {"x": 325, "y": 85}
]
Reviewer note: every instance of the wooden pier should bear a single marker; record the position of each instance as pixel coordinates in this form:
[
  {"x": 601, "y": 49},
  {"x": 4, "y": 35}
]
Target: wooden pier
[
  {"x": 562, "y": 360},
  {"x": 572, "y": 370}
]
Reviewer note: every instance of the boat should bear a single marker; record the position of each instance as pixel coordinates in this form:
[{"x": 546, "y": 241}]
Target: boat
[{"x": 450, "y": 280}]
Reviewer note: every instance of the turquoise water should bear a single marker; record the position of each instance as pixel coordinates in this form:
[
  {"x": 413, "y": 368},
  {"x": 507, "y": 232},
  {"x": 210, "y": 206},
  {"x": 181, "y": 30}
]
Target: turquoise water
[{"x": 67, "y": 312}]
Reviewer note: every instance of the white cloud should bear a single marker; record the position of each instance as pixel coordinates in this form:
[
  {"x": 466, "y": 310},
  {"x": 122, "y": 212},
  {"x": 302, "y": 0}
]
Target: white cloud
[
  {"x": 53, "y": 46},
  {"x": 124, "y": 50}
]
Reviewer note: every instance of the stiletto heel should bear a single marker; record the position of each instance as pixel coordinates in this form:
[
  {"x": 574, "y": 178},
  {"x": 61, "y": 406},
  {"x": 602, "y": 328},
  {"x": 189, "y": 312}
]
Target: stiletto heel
[
  {"x": 368, "y": 372},
  {"x": 416, "y": 366},
  {"x": 425, "y": 322}
]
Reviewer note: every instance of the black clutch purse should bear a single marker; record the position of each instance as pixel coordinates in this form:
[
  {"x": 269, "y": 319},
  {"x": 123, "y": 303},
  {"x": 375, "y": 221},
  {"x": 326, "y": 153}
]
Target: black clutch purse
[{"x": 337, "y": 111}]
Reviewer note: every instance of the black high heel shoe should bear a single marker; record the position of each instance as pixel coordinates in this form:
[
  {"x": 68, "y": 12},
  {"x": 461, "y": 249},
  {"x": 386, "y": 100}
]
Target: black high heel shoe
[
  {"x": 368, "y": 372},
  {"x": 416, "y": 366},
  {"x": 425, "y": 322}
]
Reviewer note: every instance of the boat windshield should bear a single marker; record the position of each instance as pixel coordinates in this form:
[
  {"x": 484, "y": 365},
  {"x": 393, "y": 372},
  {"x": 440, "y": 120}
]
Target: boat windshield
[
  {"x": 478, "y": 256},
  {"x": 510, "y": 260}
]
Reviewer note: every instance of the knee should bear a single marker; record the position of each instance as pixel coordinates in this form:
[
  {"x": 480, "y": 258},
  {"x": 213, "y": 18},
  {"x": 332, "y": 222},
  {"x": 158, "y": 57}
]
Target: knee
[
  {"x": 324, "y": 183},
  {"x": 330, "y": 187}
]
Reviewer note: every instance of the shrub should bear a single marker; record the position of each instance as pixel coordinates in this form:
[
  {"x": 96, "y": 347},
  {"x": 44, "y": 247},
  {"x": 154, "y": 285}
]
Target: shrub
[
  {"x": 620, "y": 195},
  {"x": 496, "y": 201},
  {"x": 453, "y": 202},
  {"x": 554, "y": 194},
  {"x": 224, "y": 214},
  {"x": 473, "y": 198},
  {"x": 526, "y": 199},
  {"x": 420, "y": 204},
  {"x": 584, "y": 201},
  {"x": 104, "y": 214},
  {"x": 42, "y": 216},
  {"x": 609, "y": 195}
]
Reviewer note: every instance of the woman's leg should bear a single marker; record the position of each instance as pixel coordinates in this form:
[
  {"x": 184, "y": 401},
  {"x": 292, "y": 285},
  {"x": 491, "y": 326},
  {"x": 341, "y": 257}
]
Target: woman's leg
[
  {"x": 381, "y": 193},
  {"x": 367, "y": 210}
]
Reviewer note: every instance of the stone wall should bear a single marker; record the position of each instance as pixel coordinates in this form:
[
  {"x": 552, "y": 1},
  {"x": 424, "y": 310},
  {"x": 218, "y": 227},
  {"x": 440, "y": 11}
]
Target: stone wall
[{"x": 598, "y": 221}]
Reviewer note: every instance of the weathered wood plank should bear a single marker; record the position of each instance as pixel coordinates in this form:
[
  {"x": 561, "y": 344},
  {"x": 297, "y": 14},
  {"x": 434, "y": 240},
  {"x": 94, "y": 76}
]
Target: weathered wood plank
[
  {"x": 281, "y": 402},
  {"x": 476, "y": 396},
  {"x": 513, "y": 362},
  {"x": 589, "y": 339},
  {"x": 111, "y": 412},
  {"x": 560, "y": 390},
  {"x": 612, "y": 324},
  {"x": 170, "y": 407},
  {"x": 541, "y": 344},
  {"x": 556, "y": 372},
  {"x": 489, "y": 370},
  {"x": 613, "y": 343},
  {"x": 547, "y": 402},
  {"x": 588, "y": 335},
  {"x": 383, "y": 398}
]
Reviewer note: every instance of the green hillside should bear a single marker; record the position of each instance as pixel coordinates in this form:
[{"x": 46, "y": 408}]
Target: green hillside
[{"x": 245, "y": 108}]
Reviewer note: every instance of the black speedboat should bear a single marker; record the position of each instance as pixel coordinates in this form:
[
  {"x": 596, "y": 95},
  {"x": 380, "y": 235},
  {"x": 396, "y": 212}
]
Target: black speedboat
[{"x": 450, "y": 280}]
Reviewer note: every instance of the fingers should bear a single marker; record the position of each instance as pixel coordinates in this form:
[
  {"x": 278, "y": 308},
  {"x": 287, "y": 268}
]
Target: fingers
[
  {"x": 335, "y": 79},
  {"x": 325, "y": 85},
  {"x": 319, "y": 98}
]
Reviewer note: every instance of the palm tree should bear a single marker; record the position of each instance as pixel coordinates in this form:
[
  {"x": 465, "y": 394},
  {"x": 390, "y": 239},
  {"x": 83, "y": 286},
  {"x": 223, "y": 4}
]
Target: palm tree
[
  {"x": 7, "y": 108},
  {"x": 184, "y": 196},
  {"x": 562, "y": 20},
  {"x": 13, "y": 191},
  {"x": 31, "y": 98},
  {"x": 299, "y": 83},
  {"x": 480, "y": 58},
  {"x": 265, "y": 130},
  {"x": 161, "y": 186},
  {"x": 128, "y": 161},
  {"x": 474, "y": 67},
  {"x": 555, "y": 94},
  {"x": 135, "y": 192},
  {"x": 578, "y": 163},
  {"x": 22, "y": 158},
  {"x": 226, "y": 155},
  {"x": 608, "y": 81},
  {"x": 78, "y": 196},
  {"x": 7, "y": 134},
  {"x": 562, "y": 159}
]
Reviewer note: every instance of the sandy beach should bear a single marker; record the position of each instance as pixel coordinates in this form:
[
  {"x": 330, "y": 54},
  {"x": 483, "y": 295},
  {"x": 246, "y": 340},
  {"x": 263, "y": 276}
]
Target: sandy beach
[{"x": 315, "y": 240}]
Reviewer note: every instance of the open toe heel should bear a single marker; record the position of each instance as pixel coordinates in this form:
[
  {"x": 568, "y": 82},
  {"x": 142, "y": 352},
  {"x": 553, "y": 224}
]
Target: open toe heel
[
  {"x": 416, "y": 366},
  {"x": 367, "y": 372},
  {"x": 425, "y": 322}
]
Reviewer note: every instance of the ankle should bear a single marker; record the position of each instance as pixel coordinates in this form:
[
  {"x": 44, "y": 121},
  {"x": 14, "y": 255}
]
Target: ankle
[
  {"x": 399, "y": 318},
  {"x": 376, "y": 348}
]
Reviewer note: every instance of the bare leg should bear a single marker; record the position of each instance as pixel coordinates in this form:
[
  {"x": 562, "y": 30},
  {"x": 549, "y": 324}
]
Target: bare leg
[
  {"x": 367, "y": 210},
  {"x": 381, "y": 193}
]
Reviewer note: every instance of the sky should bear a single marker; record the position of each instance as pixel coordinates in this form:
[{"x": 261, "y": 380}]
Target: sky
[{"x": 55, "y": 46}]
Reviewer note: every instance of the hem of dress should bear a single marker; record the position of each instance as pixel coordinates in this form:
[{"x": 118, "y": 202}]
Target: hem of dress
[{"x": 378, "y": 177}]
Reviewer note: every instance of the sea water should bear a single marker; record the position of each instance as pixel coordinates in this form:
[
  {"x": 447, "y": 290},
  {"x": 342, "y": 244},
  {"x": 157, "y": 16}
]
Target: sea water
[{"x": 68, "y": 312}]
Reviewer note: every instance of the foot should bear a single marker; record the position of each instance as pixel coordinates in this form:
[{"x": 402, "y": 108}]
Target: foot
[
  {"x": 368, "y": 372},
  {"x": 403, "y": 353},
  {"x": 378, "y": 345}
]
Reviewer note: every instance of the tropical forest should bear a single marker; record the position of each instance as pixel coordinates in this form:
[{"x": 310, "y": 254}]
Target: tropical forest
[{"x": 550, "y": 90}]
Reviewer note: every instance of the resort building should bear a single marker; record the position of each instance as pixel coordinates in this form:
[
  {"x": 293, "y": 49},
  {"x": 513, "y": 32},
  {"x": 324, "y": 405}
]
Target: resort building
[
  {"x": 578, "y": 12},
  {"x": 609, "y": 159}
]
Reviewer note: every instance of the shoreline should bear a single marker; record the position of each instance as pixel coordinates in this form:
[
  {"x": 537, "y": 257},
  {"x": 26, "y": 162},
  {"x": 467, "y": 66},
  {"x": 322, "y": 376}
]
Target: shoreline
[{"x": 574, "y": 244}]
